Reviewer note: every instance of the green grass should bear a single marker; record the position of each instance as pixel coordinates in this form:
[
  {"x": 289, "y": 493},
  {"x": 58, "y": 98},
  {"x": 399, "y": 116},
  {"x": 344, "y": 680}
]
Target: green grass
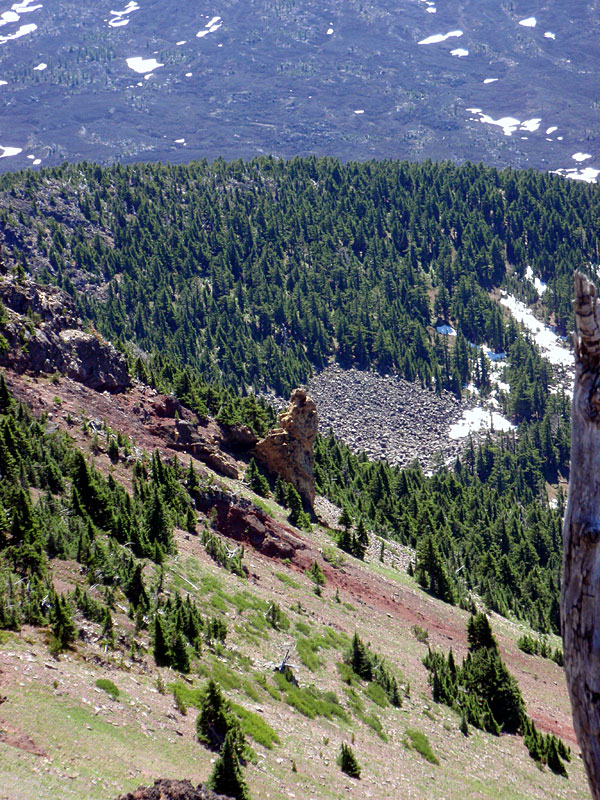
[
  {"x": 108, "y": 687},
  {"x": 251, "y": 691},
  {"x": 211, "y": 583},
  {"x": 268, "y": 687},
  {"x": 307, "y": 651},
  {"x": 375, "y": 693},
  {"x": 284, "y": 578},
  {"x": 303, "y": 627},
  {"x": 420, "y": 743},
  {"x": 246, "y": 601},
  {"x": 255, "y": 727},
  {"x": 226, "y": 677},
  {"x": 309, "y": 701}
]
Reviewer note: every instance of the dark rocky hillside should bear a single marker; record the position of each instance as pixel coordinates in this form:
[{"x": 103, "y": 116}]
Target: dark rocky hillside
[{"x": 506, "y": 83}]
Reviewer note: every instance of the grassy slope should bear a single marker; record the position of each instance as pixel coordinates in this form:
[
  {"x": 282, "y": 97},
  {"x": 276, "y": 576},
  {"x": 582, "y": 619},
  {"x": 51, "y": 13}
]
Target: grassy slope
[{"x": 97, "y": 747}]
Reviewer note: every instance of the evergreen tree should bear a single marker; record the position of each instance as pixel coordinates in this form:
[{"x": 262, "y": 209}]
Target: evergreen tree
[
  {"x": 347, "y": 761},
  {"x": 226, "y": 777}
]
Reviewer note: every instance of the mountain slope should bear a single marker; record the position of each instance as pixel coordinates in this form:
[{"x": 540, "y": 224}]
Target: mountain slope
[{"x": 508, "y": 84}]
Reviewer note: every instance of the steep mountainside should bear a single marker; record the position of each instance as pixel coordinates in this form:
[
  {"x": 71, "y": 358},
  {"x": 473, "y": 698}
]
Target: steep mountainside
[{"x": 511, "y": 84}]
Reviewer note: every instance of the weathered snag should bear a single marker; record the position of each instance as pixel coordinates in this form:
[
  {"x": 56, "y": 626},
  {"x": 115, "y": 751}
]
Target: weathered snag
[{"x": 580, "y": 601}]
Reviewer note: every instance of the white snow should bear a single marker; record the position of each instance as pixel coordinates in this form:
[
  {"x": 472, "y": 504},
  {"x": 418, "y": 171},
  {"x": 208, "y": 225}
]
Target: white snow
[
  {"x": 546, "y": 339},
  {"x": 359, "y": 111},
  {"x": 531, "y": 125},
  {"x": 539, "y": 285},
  {"x": 581, "y": 156},
  {"x": 10, "y": 151},
  {"x": 3, "y": 83},
  {"x": 490, "y": 80},
  {"x": 143, "y": 65},
  {"x": 587, "y": 174},
  {"x": 551, "y": 129},
  {"x": 178, "y": 44},
  {"x": 447, "y": 330},
  {"x": 431, "y": 10},
  {"x": 41, "y": 67},
  {"x": 329, "y": 31},
  {"x": 460, "y": 52},
  {"x": 117, "y": 20},
  {"x": 530, "y": 22},
  {"x": 479, "y": 419},
  {"x": 200, "y": 34},
  {"x": 549, "y": 35},
  {"x": 179, "y": 141},
  {"x": 559, "y": 138},
  {"x": 440, "y": 37},
  {"x": 24, "y": 7},
  {"x": 188, "y": 74},
  {"x": 508, "y": 124},
  {"x": 31, "y": 157},
  {"x": 212, "y": 22},
  {"x": 36, "y": 161},
  {"x": 22, "y": 31},
  {"x": 215, "y": 27},
  {"x": 9, "y": 16}
]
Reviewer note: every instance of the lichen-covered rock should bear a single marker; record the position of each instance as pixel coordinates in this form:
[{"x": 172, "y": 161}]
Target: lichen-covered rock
[
  {"x": 44, "y": 335},
  {"x": 289, "y": 450}
]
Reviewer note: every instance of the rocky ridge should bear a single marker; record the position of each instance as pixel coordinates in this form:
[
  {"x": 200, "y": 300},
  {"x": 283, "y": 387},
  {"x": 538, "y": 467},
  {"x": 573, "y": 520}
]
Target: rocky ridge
[{"x": 43, "y": 334}]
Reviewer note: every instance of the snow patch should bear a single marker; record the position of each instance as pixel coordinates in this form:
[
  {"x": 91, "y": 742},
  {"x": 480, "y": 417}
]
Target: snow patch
[
  {"x": 550, "y": 344},
  {"x": 7, "y": 152},
  {"x": 539, "y": 285},
  {"x": 531, "y": 125},
  {"x": 530, "y": 22},
  {"x": 549, "y": 35},
  {"x": 41, "y": 67},
  {"x": 490, "y": 80},
  {"x": 24, "y": 6},
  {"x": 551, "y": 129},
  {"x": 479, "y": 419},
  {"x": 587, "y": 174},
  {"x": 460, "y": 52},
  {"x": 329, "y": 31},
  {"x": 581, "y": 156},
  {"x": 118, "y": 18},
  {"x": 359, "y": 111},
  {"x": 440, "y": 37},
  {"x": 22, "y": 31},
  {"x": 143, "y": 65}
]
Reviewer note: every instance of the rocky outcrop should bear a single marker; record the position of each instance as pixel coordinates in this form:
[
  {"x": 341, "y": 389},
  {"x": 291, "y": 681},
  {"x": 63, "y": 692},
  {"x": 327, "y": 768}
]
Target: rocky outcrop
[
  {"x": 45, "y": 335},
  {"x": 239, "y": 519},
  {"x": 172, "y": 790},
  {"x": 289, "y": 450}
]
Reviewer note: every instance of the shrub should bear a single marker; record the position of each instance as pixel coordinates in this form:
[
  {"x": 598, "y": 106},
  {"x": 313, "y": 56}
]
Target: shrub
[
  {"x": 347, "y": 761},
  {"x": 420, "y": 743},
  {"x": 108, "y": 687}
]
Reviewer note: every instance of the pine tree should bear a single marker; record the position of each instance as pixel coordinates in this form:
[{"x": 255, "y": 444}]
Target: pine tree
[
  {"x": 226, "y": 777},
  {"x": 161, "y": 651}
]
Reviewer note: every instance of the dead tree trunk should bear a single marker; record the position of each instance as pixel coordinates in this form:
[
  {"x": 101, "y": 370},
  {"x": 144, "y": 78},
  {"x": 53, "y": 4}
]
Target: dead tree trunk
[{"x": 580, "y": 601}]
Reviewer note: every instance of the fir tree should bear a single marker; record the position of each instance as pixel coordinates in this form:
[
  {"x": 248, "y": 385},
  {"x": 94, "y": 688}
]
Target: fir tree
[{"x": 226, "y": 777}]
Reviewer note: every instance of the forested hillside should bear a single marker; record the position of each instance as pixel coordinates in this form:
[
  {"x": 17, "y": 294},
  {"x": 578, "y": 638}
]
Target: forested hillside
[{"x": 256, "y": 273}]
